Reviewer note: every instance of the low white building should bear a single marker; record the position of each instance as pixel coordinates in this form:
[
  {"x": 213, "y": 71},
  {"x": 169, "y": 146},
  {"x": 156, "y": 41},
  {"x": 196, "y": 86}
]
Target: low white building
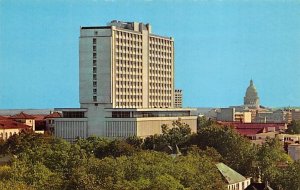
[
  {"x": 118, "y": 123},
  {"x": 9, "y": 127},
  {"x": 234, "y": 180}
]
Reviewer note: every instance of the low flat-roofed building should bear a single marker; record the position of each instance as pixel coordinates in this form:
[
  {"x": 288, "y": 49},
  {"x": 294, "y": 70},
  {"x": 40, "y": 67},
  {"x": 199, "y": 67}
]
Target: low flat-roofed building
[
  {"x": 120, "y": 122},
  {"x": 146, "y": 122},
  {"x": 231, "y": 114},
  {"x": 72, "y": 124}
]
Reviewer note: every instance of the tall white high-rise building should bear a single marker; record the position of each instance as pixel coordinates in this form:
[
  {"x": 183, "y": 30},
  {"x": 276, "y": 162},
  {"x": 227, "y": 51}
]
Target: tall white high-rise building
[
  {"x": 127, "y": 66},
  {"x": 126, "y": 82}
]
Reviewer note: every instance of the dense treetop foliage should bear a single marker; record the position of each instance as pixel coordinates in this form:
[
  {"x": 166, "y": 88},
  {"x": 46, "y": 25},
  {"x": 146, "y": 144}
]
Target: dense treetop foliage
[
  {"x": 294, "y": 127},
  {"x": 176, "y": 159}
]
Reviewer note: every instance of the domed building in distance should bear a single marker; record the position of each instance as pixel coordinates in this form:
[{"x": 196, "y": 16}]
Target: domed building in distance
[{"x": 251, "y": 99}]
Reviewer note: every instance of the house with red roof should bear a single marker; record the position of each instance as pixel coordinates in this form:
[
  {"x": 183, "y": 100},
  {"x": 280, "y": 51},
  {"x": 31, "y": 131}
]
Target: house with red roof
[
  {"x": 9, "y": 127},
  {"x": 257, "y": 131},
  {"x": 25, "y": 119}
]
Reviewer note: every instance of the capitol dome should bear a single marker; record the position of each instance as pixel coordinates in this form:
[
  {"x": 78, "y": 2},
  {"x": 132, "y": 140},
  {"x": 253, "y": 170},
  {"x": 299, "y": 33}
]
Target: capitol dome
[{"x": 251, "y": 98}]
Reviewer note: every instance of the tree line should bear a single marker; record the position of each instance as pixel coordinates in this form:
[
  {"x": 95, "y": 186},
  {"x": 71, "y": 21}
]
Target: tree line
[{"x": 176, "y": 159}]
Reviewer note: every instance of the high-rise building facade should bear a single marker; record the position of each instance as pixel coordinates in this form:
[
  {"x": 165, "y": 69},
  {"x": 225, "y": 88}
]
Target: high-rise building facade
[
  {"x": 125, "y": 65},
  {"x": 126, "y": 83}
]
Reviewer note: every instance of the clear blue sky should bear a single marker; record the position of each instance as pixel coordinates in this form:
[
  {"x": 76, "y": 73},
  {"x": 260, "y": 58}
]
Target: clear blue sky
[{"x": 219, "y": 47}]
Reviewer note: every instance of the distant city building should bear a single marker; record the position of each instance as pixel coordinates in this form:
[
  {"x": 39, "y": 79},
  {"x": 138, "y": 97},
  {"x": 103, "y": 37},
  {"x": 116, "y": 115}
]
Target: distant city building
[
  {"x": 257, "y": 132},
  {"x": 270, "y": 116},
  {"x": 296, "y": 114},
  {"x": 230, "y": 114},
  {"x": 251, "y": 98},
  {"x": 126, "y": 79},
  {"x": 178, "y": 98}
]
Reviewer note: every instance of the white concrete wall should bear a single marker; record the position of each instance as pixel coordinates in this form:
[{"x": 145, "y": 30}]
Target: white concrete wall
[
  {"x": 152, "y": 125},
  {"x": 96, "y": 116},
  {"x": 103, "y": 54},
  {"x": 143, "y": 127},
  {"x": 30, "y": 122},
  {"x": 239, "y": 186},
  {"x": 6, "y": 133},
  {"x": 226, "y": 114},
  {"x": 70, "y": 128}
]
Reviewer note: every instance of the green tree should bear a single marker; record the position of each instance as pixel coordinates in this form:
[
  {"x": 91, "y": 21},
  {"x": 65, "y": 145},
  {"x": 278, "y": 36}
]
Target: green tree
[
  {"x": 91, "y": 144},
  {"x": 271, "y": 157},
  {"x": 155, "y": 142},
  {"x": 24, "y": 141},
  {"x": 289, "y": 177},
  {"x": 236, "y": 151},
  {"x": 135, "y": 141},
  {"x": 202, "y": 121},
  {"x": 166, "y": 182},
  {"x": 115, "y": 148},
  {"x": 294, "y": 127},
  {"x": 176, "y": 135}
]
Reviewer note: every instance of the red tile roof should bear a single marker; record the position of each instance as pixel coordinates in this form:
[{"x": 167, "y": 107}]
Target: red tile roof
[
  {"x": 22, "y": 115},
  {"x": 3, "y": 118},
  {"x": 39, "y": 117},
  {"x": 54, "y": 115},
  {"x": 9, "y": 124},
  {"x": 252, "y": 128},
  {"x": 247, "y": 132}
]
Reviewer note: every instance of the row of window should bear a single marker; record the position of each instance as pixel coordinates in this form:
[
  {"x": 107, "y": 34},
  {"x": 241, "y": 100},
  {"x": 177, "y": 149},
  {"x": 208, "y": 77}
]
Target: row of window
[
  {"x": 160, "y": 105},
  {"x": 154, "y": 79},
  {"x": 129, "y": 43},
  {"x": 161, "y": 48},
  {"x": 134, "y": 93},
  {"x": 129, "y": 88},
  {"x": 127, "y": 82},
  {"x": 160, "y": 53},
  {"x": 130, "y": 69},
  {"x": 128, "y": 104},
  {"x": 126, "y": 35},
  {"x": 160, "y": 72},
  {"x": 160, "y": 60},
  {"x": 129, "y": 55},
  {"x": 135, "y": 97},
  {"x": 159, "y": 65},
  {"x": 162, "y": 91},
  {"x": 129, "y": 49},
  {"x": 160, "y": 41},
  {"x": 129, "y": 63},
  {"x": 129, "y": 75},
  {"x": 160, "y": 84}
]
